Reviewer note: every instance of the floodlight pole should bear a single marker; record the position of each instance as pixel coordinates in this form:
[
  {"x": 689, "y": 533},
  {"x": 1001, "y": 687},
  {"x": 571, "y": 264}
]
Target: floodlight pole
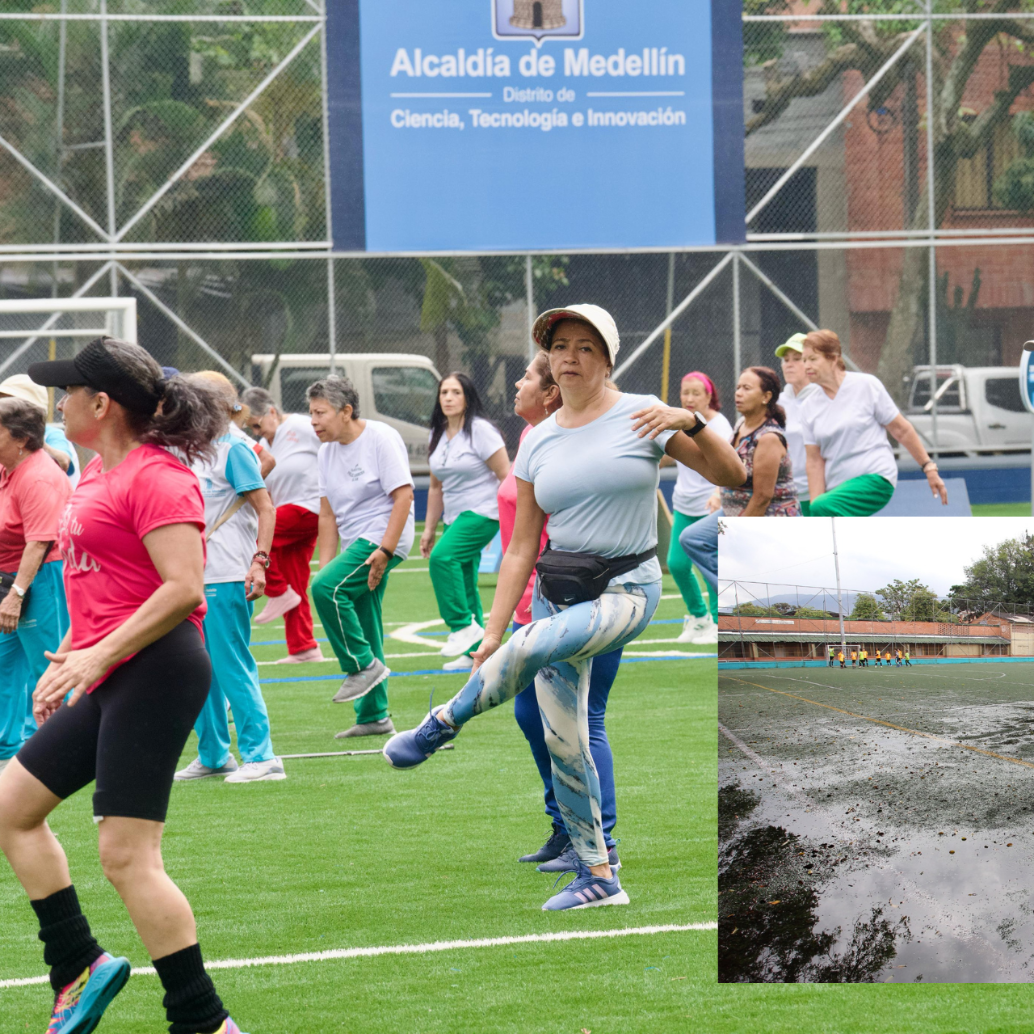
[{"x": 840, "y": 605}]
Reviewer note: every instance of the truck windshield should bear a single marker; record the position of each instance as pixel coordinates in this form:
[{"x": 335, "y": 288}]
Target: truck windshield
[
  {"x": 294, "y": 380},
  {"x": 949, "y": 401},
  {"x": 405, "y": 393}
]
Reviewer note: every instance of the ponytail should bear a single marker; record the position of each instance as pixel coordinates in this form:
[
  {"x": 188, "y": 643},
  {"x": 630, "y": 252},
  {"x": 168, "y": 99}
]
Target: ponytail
[
  {"x": 770, "y": 383},
  {"x": 191, "y": 416}
]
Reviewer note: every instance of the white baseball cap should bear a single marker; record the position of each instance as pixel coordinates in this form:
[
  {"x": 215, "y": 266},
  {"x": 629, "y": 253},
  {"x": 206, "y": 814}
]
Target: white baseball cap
[
  {"x": 598, "y": 318},
  {"x": 20, "y": 386},
  {"x": 793, "y": 344}
]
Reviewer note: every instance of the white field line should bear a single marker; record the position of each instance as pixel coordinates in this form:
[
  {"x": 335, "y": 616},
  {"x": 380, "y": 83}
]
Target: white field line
[
  {"x": 411, "y": 949},
  {"x": 387, "y": 657},
  {"x": 408, "y": 633},
  {"x": 666, "y": 653}
]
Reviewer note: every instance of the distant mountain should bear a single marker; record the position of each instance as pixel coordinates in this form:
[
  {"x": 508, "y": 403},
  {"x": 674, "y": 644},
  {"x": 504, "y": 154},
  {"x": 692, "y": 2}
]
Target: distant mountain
[{"x": 814, "y": 601}]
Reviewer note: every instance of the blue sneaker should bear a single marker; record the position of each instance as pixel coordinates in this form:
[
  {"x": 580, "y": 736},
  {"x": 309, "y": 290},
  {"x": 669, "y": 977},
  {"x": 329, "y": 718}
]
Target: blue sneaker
[
  {"x": 587, "y": 891},
  {"x": 80, "y": 1005},
  {"x": 414, "y": 747},
  {"x": 569, "y": 861}
]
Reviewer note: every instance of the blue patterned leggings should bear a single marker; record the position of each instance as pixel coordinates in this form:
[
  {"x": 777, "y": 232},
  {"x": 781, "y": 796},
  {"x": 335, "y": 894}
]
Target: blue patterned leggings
[{"x": 557, "y": 649}]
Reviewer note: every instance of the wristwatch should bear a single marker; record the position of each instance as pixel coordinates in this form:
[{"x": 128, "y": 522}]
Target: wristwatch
[
  {"x": 19, "y": 591},
  {"x": 698, "y": 427},
  {"x": 262, "y": 558}
]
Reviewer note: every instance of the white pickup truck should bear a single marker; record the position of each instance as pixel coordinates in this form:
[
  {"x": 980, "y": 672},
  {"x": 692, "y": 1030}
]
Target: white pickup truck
[
  {"x": 979, "y": 410},
  {"x": 396, "y": 388}
]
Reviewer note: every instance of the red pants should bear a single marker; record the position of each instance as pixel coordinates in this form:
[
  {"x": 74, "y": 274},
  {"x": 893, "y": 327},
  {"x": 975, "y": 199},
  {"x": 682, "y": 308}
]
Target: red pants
[{"x": 294, "y": 542}]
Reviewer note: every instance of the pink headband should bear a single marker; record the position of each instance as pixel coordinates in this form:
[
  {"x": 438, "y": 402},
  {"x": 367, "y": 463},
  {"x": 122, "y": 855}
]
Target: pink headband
[{"x": 707, "y": 383}]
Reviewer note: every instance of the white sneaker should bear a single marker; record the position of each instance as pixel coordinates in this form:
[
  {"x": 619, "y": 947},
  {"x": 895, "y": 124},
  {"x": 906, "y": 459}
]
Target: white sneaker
[
  {"x": 195, "y": 770},
  {"x": 462, "y": 663},
  {"x": 461, "y": 641},
  {"x": 706, "y": 631},
  {"x": 692, "y": 627},
  {"x": 255, "y": 771}
]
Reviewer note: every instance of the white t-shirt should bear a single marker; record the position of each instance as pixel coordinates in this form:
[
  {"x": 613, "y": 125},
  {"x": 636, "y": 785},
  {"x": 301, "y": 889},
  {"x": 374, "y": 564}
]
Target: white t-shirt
[
  {"x": 234, "y": 471},
  {"x": 357, "y": 479},
  {"x": 692, "y": 490},
  {"x": 295, "y": 478},
  {"x": 598, "y": 483},
  {"x": 849, "y": 429},
  {"x": 791, "y": 403},
  {"x": 467, "y": 481}
]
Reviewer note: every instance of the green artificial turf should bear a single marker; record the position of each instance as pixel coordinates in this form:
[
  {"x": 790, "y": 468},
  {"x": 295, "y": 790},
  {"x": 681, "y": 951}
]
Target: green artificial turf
[
  {"x": 1001, "y": 510},
  {"x": 348, "y": 852}
]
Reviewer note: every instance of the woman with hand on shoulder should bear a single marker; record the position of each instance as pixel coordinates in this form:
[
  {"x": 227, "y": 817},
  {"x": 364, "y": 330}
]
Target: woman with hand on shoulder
[
  {"x": 366, "y": 506},
  {"x": 760, "y": 442},
  {"x": 468, "y": 459},
  {"x": 538, "y": 396},
  {"x": 690, "y": 503},
  {"x": 135, "y": 672},
  {"x": 795, "y": 390},
  {"x": 33, "y": 615},
  {"x": 851, "y": 467},
  {"x": 592, "y": 467}
]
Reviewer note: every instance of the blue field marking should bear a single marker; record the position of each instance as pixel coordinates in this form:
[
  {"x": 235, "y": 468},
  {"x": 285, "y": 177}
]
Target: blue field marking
[
  {"x": 466, "y": 674},
  {"x": 665, "y": 621}
]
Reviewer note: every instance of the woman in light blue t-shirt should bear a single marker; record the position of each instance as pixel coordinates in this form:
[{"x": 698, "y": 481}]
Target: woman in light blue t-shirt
[{"x": 592, "y": 467}]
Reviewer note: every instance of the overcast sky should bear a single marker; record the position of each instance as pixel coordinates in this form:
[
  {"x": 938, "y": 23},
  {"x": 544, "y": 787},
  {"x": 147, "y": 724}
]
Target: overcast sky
[{"x": 873, "y": 550}]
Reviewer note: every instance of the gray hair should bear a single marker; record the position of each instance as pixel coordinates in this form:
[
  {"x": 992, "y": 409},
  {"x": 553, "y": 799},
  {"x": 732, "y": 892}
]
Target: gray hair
[
  {"x": 338, "y": 391},
  {"x": 23, "y": 421},
  {"x": 259, "y": 401}
]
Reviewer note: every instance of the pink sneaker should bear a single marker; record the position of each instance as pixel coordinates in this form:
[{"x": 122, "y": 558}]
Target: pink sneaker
[
  {"x": 305, "y": 657},
  {"x": 278, "y": 606}
]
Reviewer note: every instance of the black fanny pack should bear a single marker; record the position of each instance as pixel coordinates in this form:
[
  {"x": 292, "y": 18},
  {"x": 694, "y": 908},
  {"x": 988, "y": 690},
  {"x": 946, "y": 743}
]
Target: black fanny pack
[{"x": 569, "y": 578}]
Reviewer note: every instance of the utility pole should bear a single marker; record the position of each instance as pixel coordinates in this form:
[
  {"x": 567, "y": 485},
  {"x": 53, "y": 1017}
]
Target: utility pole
[{"x": 840, "y": 605}]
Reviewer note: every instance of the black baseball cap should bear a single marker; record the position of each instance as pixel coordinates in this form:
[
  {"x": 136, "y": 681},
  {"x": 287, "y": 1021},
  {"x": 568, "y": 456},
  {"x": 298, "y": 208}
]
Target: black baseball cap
[{"x": 97, "y": 368}]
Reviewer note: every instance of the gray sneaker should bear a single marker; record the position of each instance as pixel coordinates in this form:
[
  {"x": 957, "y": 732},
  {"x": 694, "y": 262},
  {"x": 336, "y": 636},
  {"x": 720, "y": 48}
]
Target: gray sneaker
[
  {"x": 381, "y": 728},
  {"x": 195, "y": 770},
  {"x": 359, "y": 684}
]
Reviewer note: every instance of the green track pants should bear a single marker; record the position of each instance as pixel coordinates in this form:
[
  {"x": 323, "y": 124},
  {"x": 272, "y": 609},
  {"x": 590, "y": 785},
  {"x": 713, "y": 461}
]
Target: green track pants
[
  {"x": 351, "y": 616},
  {"x": 860, "y": 497},
  {"x": 682, "y": 570},
  {"x": 454, "y": 569}
]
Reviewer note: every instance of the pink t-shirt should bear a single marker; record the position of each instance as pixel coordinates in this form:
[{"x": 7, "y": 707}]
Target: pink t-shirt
[
  {"x": 108, "y": 571},
  {"x": 31, "y": 501},
  {"x": 507, "y": 519}
]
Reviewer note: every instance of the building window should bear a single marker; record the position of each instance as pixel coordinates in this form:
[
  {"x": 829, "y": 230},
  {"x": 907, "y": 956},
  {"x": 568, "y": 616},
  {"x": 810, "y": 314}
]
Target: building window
[{"x": 975, "y": 177}]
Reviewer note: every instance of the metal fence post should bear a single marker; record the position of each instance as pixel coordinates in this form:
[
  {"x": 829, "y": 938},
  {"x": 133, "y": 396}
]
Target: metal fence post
[
  {"x": 737, "y": 342},
  {"x": 529, "y": 297}
]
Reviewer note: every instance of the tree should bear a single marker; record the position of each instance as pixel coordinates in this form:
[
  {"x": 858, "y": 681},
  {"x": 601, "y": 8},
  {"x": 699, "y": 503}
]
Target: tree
[
  {"x": 866, "y": 608},
  {"x": 914, "y": 601},
  {"x": 864, "y": 47},
  {"x": 1003, "y": 574}
]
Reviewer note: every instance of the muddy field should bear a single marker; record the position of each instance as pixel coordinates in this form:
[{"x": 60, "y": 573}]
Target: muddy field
[{"x": 877, "y": 824}]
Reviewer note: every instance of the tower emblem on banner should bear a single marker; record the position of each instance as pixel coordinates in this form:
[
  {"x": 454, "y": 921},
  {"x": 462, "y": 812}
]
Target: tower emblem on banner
[{"x": 540, "y": 19}]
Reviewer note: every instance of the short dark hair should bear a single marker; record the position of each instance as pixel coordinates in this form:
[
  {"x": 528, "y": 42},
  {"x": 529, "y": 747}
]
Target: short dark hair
[{"x": 23, "y": 421}]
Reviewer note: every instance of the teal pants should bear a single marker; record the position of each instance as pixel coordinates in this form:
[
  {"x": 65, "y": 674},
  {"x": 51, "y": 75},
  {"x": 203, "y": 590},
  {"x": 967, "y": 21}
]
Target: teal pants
[
  {"x": 682, "y": 570},
  {"x": 351, "y": 617},
  {"x": 234, "y": 682},
  {"x": 454, "y": 569},
  {"x": 43, "y": 625},
  {"x": 860, "y": 497}
]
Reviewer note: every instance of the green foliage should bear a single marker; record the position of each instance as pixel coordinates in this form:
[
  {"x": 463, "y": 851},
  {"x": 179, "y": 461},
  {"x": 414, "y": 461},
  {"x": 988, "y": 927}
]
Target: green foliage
[
  {"x": 1015, "y": 187},
  {"x": 866, "y": 608},
  {"x": 1003, "y": 574},
  {"x": 764, "y": 41},
  {"x": 914, "y": 601}
]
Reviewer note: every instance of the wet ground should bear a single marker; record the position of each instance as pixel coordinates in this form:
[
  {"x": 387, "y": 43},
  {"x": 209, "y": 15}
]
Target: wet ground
[{"x": 877, "y": 825}]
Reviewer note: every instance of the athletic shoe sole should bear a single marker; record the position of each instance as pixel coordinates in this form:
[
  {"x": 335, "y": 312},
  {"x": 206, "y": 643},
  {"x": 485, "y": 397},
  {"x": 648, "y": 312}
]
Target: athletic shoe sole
[
  {"x": 97, "y": 997},
  {"x": 621, "y": 898}
]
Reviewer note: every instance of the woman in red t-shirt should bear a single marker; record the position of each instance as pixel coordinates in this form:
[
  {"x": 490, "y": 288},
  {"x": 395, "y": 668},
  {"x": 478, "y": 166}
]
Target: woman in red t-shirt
[
  {"x": 135, "y": 673},
  {"x": 538, "y": 396},
  {"x": 33, "y": 615}
]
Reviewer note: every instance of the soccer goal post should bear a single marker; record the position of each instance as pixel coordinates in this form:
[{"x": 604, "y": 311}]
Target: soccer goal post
[{"x": 75, "y": 319}]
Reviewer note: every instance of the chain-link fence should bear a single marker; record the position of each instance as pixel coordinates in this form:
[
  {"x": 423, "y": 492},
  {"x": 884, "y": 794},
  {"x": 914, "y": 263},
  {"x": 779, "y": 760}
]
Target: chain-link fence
[
  {"x": 185, "y": 141},
  {"x": 759, "y": 620}
]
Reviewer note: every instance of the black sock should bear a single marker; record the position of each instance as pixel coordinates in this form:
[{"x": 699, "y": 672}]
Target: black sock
[
  {"x": 68, "y": 945},
  {"x": 191, "y": 1003}
]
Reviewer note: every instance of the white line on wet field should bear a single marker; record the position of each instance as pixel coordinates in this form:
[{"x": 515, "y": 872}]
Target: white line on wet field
[{"x": 413, "y": 949}]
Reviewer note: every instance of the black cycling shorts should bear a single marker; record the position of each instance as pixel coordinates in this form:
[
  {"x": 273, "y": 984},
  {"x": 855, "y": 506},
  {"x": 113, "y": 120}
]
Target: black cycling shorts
[{"x": 129, "y": 733}]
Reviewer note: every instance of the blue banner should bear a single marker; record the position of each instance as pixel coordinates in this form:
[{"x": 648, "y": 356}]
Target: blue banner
[{"x": 487, "y": 125}]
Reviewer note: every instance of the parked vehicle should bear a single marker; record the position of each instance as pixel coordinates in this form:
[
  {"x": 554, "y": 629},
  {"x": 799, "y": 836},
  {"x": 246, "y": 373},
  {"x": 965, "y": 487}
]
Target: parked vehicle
[
  {"x": 979, "y": 410},
  {"x": 396, "y": 388}
]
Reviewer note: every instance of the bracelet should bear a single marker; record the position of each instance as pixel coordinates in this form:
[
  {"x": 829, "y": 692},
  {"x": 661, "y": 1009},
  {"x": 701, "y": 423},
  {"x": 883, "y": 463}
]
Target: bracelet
[
  {"x": 387, "y": 552},
  {"x": 929, "y": 463},
  {"x": 262, "y": 558}
]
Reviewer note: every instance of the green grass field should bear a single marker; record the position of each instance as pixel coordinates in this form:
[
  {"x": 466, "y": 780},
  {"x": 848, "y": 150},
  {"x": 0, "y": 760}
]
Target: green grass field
[
  {"x": 1001, "y": 510},
  {"x": 349, "y": 853}
]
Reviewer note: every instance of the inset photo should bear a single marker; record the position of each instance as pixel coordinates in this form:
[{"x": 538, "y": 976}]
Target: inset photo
[{"x": 876, "y": 750}]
